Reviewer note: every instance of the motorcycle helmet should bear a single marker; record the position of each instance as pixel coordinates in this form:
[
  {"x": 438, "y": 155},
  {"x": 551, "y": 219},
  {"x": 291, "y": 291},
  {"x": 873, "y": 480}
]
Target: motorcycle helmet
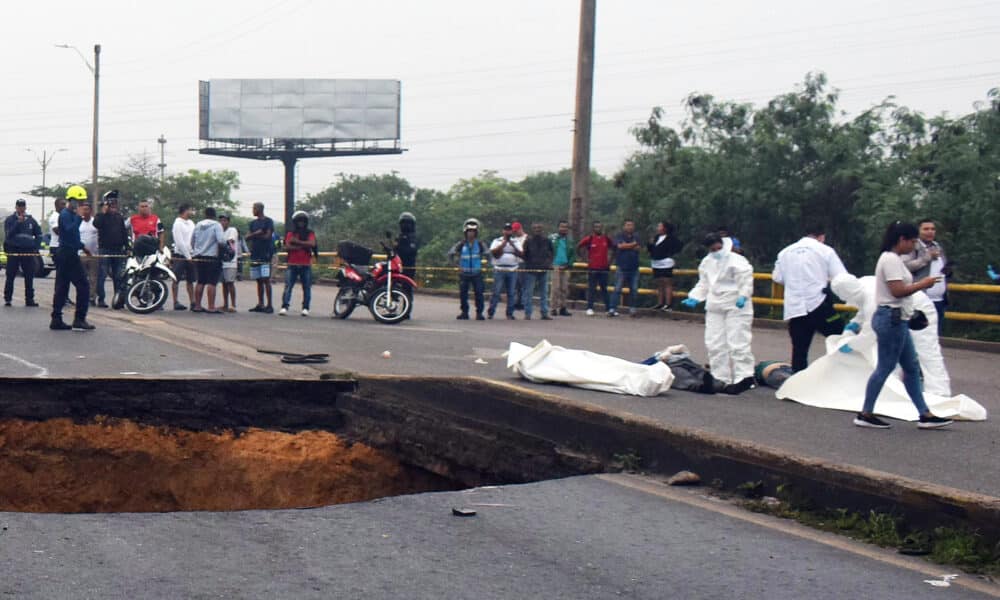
[
  {"x": 76, "y": 192},
  {"x": 407, "y": 222},
  {"x": 300, "y": 215},
  {"x": 470, "y": 223},
  {"x": 110, "y": 197}
]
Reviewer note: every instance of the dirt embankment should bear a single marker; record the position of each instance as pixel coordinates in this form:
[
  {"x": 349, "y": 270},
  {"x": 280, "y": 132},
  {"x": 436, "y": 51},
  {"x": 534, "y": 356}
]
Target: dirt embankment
[{"x": 112, "y": 465}]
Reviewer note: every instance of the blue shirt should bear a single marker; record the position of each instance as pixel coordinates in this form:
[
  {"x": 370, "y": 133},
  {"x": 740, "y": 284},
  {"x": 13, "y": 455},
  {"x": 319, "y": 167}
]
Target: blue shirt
[
  {"x": 69, "y": 230},
  {"x": 627, "y": 260},
  {"x": 262, "y": 248}
]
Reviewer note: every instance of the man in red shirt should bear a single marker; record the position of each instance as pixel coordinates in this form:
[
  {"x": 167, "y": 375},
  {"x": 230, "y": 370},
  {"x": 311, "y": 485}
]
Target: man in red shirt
[
  {"x": 597, "y": 248},
  {"x": 146, "y": 223},
  {"x": 300, "y": 242}
]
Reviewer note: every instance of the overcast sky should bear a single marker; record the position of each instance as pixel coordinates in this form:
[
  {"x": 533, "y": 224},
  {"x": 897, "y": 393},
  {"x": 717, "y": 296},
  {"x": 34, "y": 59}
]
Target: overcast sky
[{"x": 486, "y": 85}]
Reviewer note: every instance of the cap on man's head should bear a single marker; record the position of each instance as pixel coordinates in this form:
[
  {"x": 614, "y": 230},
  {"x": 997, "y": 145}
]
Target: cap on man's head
[
  {"x": 516, "y": 226},
  {"x": 508, "y": 226},
  {"x": 20, "y": 202}
]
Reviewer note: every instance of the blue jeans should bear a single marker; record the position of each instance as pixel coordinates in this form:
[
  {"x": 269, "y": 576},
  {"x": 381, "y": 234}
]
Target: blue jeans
[
  {"x": 503, "y": 281},
  {"x": 597, "y": 279},
  {"x": 531, "y": 280},
  {"x": 476, "y": 283},
  {"x": 632, "y": 277},
  {"x": 112, "y": 266},
  {"x": 895, "y": 347},
  {"x": 302, "y": 273}
]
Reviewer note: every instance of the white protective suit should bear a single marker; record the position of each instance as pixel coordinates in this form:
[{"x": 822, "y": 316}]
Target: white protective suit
[
  {"x": 838, "y": 380},
  {"x": 727, "y": 328},
  {"x": 546, "y": 363}
]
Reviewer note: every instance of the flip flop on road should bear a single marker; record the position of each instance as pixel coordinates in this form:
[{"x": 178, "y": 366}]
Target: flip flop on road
[{"x": 294, "y": 358}]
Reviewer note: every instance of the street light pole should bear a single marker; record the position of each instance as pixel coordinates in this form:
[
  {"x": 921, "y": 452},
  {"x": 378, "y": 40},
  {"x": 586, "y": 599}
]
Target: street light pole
[
  {"x": 163, "y": 165},
  {"x": 95, "y": 69},
  {"x": 44, "y": 161}
]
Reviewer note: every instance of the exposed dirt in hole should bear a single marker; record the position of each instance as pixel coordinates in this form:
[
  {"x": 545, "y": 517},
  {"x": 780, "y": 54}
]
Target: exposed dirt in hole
[{"x": 120, "y": 466}]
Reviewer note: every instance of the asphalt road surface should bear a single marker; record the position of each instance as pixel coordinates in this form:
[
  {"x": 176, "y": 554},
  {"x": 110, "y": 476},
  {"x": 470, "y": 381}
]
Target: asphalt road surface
[
  {"x": 586, "y": 537},
  {"x": 183, "y": 344}
]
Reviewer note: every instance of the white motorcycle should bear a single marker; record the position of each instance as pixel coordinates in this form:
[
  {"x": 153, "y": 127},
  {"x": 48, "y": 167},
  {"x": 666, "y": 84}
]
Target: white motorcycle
[{"x": 144, "y": 283}]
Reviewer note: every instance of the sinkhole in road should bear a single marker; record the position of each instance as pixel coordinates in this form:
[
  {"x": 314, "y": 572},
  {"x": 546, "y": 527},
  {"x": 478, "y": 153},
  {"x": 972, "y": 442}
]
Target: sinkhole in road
[{"x": 114, "y": 465}]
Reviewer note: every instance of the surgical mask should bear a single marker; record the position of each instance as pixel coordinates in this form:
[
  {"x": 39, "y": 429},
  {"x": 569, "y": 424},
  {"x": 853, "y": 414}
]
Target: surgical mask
[{"x": 717, "y": 255}]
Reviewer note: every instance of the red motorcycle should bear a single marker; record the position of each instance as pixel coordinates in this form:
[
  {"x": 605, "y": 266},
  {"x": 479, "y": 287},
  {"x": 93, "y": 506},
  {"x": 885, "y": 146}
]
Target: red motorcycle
[{"x": 384, "y": 289}]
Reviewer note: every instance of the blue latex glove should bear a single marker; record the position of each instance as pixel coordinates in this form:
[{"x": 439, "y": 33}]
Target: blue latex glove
[
  {"x": 846, "y": 349},
  {"x": 741, "y": 302},
  {"x": 689, "y": 302},
  {"x": 852, "y": 326},
  {"x": 992, "y": 273}
]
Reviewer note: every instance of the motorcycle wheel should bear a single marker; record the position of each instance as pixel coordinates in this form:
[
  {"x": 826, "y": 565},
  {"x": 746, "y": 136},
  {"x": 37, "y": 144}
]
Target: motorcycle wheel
[
  {"x": 345, "y": 302},
  {"x": 145, "y": 296},
  {"x": 392, "y": 307}
]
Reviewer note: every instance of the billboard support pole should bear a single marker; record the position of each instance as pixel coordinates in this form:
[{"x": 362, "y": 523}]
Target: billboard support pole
[{"x": 289, "y": 162}]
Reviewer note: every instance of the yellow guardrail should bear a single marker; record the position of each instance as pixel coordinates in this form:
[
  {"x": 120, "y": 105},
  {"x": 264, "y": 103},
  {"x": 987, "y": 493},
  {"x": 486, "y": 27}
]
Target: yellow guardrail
[{"x": 777, "y": 290}]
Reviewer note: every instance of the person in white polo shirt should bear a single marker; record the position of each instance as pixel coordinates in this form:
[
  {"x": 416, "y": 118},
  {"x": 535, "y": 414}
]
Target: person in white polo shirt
[{"x": 805, "y": 269}]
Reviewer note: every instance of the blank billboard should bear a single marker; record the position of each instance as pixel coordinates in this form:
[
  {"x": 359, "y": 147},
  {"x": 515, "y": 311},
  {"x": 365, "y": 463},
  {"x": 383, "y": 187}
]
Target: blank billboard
[{"x": 299, "y": 109}]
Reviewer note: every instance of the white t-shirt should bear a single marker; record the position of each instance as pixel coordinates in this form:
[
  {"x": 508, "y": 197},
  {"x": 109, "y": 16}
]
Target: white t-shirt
[
  {"x": 890, "y": 267},
  {"x": 53, "y": 223},
  {"x": 181, "y": 232},
  {"x": 233, "y": 239},
  {"x": 508, "y": 261},
  {"x": 88, "y": 235}
]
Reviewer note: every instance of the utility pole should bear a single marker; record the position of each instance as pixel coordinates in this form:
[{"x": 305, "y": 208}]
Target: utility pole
[
  {"x": 95, "y": 69},
  {"x": 579, "y": 198},
  {"x": 94, "y": 189},
  {"x": 163, "y": 165},
  {"x": 44, "y": 161}
]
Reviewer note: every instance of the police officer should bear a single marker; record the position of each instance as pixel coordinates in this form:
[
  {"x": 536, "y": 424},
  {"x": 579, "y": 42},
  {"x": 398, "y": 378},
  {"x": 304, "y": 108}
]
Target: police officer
[
  {"x": 69, "y": 269},
  {"x": 22, "y": 237}
]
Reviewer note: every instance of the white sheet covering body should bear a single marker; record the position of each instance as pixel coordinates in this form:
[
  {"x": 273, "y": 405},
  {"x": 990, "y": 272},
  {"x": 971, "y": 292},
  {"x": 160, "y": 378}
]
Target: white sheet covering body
[
  {"x": 545, "y": 363},
  {"x": 838, "y": 380}
]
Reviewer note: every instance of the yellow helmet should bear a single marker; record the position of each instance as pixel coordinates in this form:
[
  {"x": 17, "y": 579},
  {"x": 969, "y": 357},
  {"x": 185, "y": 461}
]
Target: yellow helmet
[{"x": 76, "y": 192}]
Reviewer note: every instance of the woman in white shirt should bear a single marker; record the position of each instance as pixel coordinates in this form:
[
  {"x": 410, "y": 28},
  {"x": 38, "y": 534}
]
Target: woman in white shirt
[
  {"x": 661, "y": 249},
  {"x": 893, "y": 288}
]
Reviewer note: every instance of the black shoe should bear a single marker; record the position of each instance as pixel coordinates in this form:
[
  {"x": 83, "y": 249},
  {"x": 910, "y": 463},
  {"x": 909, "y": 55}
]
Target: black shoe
[
  {"x": 564, "y": 313},
  {"x": 257, "y": 308},
  {"x": 179, "y": 306},
  {"x": 658, "y": 307},
  {"x": 511, "y": 318},
  {"x": 546, "y": 318},
  {"x": 267, "y": 310},
  {"x": 6, "y": 302},
  {"x": 463, "y": 317},
  {"x": 490, "y": 316},
  {"x": 555, "y": 313},
  {"x": 480, "y": 317},
  {"x": 870, "y": 421},
  {"x": 31, "y": 303},
  {"x": 101, "y": 304},
  {"x": 59, "y": 325},
  {"x": 932, "y": 422},
  {"x": 82, "y": 325}
]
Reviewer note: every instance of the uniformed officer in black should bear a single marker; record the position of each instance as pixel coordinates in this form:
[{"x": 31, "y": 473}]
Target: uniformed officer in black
[
  {"x": 69, "y": 269},
  {"x": 22, "y": 237}
]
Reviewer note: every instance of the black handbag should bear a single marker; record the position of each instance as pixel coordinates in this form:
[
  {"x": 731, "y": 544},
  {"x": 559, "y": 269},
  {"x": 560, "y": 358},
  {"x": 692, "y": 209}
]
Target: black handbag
[
  {"x": 918, "y": 321},
  {"x": 226, "y": 252}
]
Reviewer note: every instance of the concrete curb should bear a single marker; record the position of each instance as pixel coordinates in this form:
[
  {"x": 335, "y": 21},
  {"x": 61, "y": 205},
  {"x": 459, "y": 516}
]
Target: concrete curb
[{"x": 605, "y": 435}]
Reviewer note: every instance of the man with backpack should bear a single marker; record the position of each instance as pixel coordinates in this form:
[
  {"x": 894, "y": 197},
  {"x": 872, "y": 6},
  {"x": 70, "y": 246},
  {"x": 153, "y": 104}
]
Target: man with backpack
[{"x": 469, "y": 254}]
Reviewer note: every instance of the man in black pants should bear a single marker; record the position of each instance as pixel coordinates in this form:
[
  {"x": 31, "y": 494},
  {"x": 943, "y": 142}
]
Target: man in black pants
[
  {"x": 805, "y": 269},
  {"x": 22, "y": 236},
  {"x": 69, "y": 269}
]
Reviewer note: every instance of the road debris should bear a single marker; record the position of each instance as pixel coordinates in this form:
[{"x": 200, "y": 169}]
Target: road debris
[{"x": 684, "y": 478}]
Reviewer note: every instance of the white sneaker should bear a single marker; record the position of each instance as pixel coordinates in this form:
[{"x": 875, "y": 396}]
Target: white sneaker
[
  {"x": 282, "y": 312},
  {"x": 590, "y": 312},
  {"x": 305, "y": 312}
]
